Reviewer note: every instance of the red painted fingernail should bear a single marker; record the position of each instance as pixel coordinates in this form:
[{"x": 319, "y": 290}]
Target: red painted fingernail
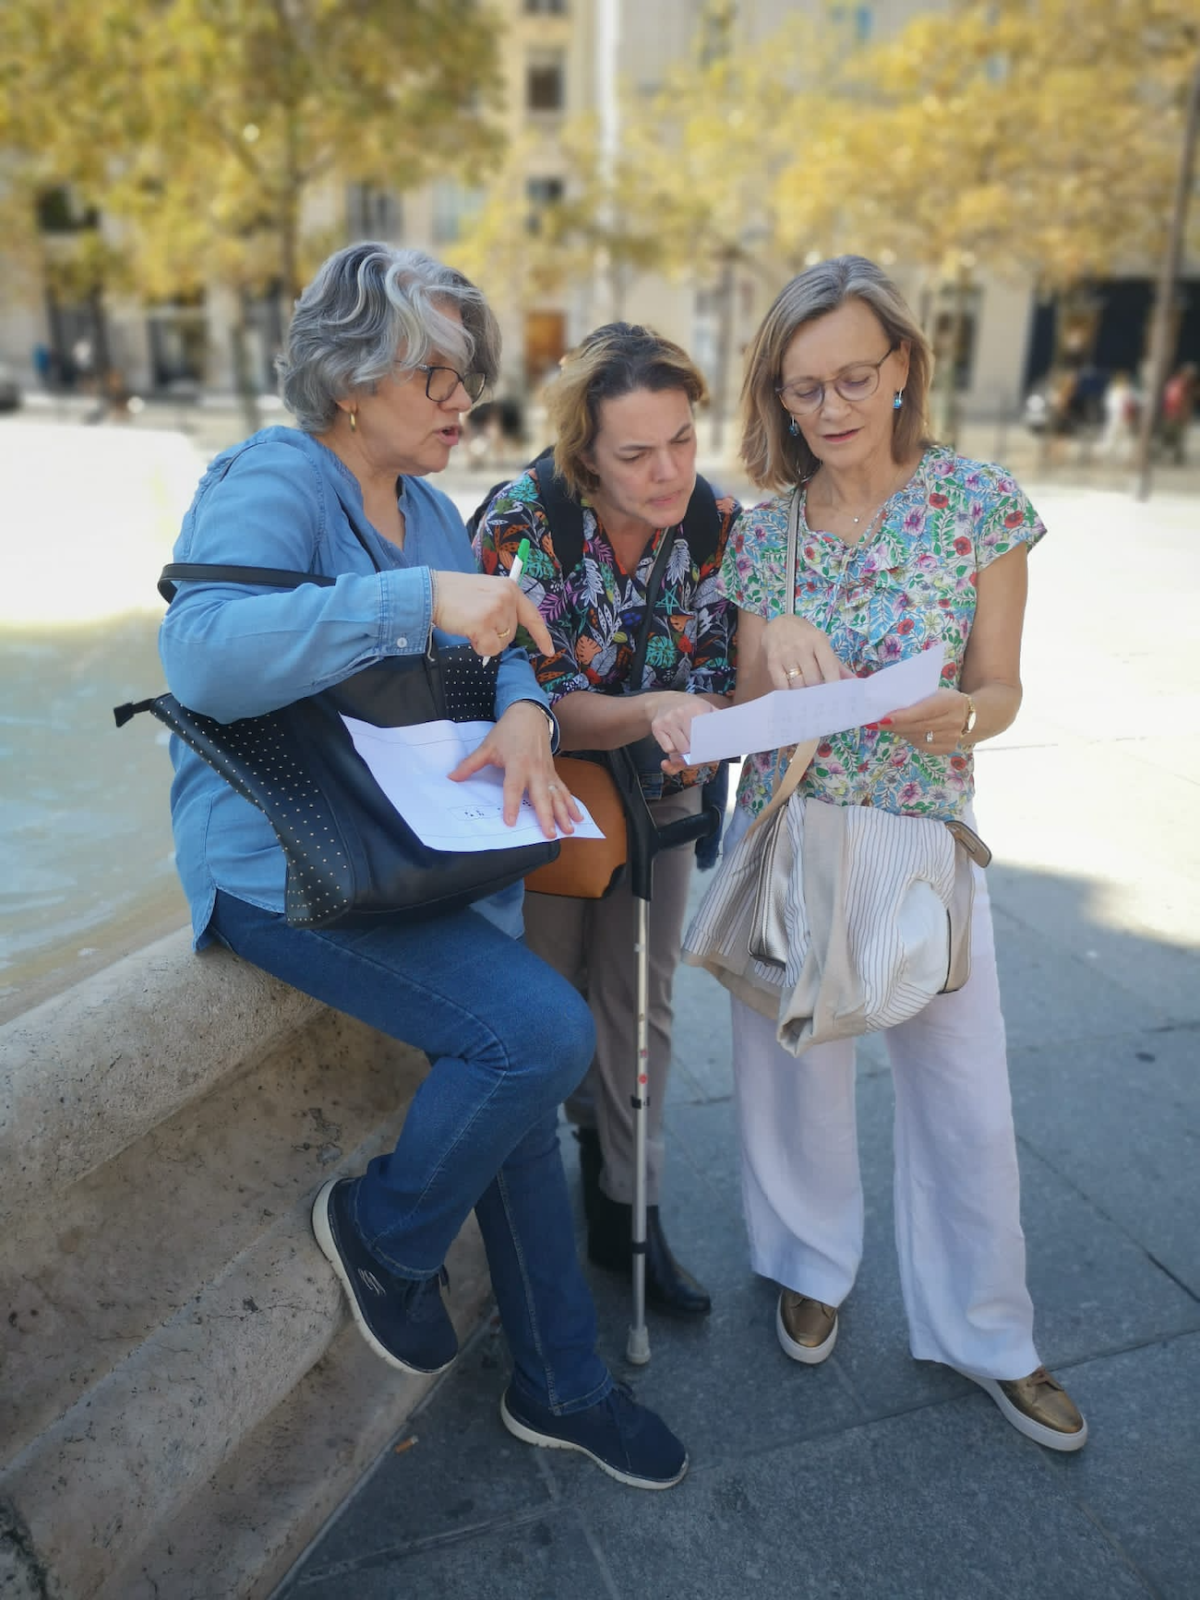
[
  {"x": 885, "y": 722},
  {"x": 870, "y": 726}
]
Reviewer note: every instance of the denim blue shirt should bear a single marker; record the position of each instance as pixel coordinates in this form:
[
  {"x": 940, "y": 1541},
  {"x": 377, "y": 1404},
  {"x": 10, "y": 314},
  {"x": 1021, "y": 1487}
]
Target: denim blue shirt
[{"x": 281, "y": 499}]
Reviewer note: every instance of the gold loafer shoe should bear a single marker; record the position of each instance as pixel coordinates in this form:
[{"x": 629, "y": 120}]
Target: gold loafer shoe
[
  {"x": 807, "y": 1329},
  {"x": 1039, "y": 1407}
]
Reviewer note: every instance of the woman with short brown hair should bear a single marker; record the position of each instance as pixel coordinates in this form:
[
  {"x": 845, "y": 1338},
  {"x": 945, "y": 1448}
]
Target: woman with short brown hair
[{"x": 625, "y": 455}]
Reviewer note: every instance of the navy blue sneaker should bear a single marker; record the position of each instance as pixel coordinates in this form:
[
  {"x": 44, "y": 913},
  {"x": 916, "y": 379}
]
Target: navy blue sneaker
[
  {"x": 403, "y": 1319},
  {"x": 629, "y": 1442}
]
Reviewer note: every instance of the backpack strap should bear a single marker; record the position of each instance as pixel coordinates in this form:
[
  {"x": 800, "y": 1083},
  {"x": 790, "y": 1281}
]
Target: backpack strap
[
  {"x": 481, "y": 510},
  {"x": 563, "y": 512},
  {"x": 702, "y": 522}
]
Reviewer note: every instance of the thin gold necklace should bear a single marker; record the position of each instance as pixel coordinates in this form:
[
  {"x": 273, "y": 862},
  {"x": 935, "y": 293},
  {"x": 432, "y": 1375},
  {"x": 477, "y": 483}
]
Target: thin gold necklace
[{"x": 838, "y": 511}]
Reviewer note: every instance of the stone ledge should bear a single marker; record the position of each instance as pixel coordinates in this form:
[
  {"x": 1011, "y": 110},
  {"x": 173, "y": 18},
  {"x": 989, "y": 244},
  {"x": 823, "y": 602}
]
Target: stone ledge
[
  {"x": 197, "y": 1104},
  {"x": 91, "y": 1071},
  {"x": 120, "y": 1253}
]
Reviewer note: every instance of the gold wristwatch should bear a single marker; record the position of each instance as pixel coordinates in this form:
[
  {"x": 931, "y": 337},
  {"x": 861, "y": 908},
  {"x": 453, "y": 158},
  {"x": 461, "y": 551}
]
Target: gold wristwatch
[{"x": 968, "y": 725}]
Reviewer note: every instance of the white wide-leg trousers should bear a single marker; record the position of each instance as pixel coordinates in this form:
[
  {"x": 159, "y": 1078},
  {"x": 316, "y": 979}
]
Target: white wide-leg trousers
[{"x": 957, "y": 1197}]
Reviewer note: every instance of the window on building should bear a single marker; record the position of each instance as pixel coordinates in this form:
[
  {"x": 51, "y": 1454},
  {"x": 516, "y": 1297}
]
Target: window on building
[
  {"x": 541, "y": 193},
  {"x": 545, "y": 81},
  {"x": 373, "y": 213},
  {"x": 857, "y": 20},
  {"x": 177, "y": 331},
  {"x": 545, "y": 344},
  {"x": 454, "y": 207}
]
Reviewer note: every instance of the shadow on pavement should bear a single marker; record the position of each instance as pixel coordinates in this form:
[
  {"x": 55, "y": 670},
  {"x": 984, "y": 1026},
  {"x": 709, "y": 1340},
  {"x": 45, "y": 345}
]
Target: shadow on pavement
[{"x": 873, "y": 1477}]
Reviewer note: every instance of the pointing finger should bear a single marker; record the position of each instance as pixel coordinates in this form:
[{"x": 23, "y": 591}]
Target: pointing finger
[{"x": 530, "y": 618}]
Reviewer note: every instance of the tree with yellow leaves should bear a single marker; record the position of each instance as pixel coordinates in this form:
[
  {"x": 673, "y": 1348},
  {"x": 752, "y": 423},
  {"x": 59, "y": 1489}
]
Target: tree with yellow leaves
[
  {"x": 203, "y": 126},
  {"x": 1030, "y": 137}
]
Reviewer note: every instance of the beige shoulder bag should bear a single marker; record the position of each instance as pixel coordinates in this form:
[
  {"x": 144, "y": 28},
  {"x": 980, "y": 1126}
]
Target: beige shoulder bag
[{"x": 838, "y": 920}]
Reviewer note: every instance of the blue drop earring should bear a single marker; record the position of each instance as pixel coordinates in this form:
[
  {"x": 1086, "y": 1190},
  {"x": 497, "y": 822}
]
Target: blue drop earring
[
  {"x": 899, "y": 400},
  {"x": 794, "y": 428}
]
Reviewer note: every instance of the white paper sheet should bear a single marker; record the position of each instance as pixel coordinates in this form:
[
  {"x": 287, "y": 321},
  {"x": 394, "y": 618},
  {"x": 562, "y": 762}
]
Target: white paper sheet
[
  {"x": 411, "y": 765},
  {"x": 789, "y": 716}
]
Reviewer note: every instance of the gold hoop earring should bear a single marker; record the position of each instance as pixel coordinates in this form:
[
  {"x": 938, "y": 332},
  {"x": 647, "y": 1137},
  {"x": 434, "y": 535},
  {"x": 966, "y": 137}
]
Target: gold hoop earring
[{"x": 353, "y": 421}]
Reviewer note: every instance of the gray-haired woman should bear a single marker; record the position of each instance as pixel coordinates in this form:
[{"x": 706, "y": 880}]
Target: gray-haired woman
[{"x": 387, "y": 349}]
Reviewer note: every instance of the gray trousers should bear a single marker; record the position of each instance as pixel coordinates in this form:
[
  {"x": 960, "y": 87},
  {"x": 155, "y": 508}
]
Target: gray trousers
[{"x": 591, "y": 943}]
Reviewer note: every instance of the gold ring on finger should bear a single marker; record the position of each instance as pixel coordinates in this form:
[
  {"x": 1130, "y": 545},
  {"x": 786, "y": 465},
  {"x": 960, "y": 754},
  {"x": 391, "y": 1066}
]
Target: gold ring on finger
[{"x": 793, "y": 672}]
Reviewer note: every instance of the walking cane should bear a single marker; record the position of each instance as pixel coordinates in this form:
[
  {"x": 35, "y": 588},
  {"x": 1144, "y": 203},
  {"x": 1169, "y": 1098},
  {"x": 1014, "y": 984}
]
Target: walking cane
[{"x": 645, "y": 840}]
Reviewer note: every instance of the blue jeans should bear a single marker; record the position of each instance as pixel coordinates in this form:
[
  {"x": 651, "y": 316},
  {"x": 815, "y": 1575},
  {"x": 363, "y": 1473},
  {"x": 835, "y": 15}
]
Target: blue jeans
[{"x": 507, "y": 1040}]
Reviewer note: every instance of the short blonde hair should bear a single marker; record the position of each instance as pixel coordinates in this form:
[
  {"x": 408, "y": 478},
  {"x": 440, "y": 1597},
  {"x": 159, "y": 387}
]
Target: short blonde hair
[
  {"x": 615, "y": 360},
  {"x": 775, "y": 458}
]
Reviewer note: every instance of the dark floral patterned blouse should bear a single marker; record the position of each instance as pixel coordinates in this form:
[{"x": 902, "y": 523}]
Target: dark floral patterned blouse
[{"x": 593, "y": 613}]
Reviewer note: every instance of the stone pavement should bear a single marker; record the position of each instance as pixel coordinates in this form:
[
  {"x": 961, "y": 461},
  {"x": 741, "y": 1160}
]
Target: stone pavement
[{"x": 875, "y": 1477}]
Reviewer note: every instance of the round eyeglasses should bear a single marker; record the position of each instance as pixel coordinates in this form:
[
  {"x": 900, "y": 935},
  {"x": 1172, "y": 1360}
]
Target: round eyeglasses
[
  {"x": 855, "y": 382},
  {"x": 441, "y": 382}
]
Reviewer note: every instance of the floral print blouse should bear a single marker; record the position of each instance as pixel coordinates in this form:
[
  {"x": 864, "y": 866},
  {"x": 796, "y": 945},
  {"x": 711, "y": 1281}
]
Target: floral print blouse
[
  {"x": 910, "y": 586},
  {"x": 594, "y": 612}
]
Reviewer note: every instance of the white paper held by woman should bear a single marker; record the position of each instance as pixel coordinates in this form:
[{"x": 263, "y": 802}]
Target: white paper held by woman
[{"x": 789, "y": 716}]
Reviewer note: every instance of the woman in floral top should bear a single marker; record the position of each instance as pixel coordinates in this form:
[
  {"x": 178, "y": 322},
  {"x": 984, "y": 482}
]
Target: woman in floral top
[
  {"x": 902, "y": 546},
  {"x": 626, "y": 451}
]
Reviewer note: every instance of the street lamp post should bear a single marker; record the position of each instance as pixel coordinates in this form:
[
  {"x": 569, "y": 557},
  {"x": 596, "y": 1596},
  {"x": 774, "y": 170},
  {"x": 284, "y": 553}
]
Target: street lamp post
[{"x": 606, "y": 288}]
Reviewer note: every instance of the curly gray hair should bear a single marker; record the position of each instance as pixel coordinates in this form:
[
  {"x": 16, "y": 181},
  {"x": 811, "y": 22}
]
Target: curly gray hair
[{"x": 371, "y": 308}]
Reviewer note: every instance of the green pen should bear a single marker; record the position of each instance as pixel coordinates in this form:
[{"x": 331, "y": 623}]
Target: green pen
[
  {"x": 522, "y": 556},
  {"x": 515, "y": 571}
]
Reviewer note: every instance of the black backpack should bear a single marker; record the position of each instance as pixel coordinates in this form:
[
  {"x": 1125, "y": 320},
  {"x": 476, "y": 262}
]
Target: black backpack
[{"x": 702, "y": 531}]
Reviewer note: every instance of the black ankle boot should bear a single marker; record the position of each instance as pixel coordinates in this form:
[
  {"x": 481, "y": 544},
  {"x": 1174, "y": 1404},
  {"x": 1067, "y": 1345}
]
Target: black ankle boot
[{"x": 669, "y": 1287}]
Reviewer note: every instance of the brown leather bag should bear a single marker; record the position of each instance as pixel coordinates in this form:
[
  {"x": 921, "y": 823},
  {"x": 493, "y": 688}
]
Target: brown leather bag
[{"x": 586, "y": 869}]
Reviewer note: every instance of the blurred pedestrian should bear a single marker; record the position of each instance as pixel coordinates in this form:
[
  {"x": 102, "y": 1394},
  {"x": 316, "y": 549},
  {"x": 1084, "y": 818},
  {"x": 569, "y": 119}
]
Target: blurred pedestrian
[
  {"x": 1178, "y": 405},
  {"x": 1061, "y": 411},
  {"x": 1122, "y": 407},
  {"x": 82, "y": 364}
]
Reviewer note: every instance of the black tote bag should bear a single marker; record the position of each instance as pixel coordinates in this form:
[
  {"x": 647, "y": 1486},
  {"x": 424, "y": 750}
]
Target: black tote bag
[{"x": 351, "y": 857}]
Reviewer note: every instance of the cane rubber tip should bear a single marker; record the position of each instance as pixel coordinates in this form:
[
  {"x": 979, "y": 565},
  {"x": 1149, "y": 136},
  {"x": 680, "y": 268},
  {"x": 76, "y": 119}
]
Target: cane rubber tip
[{"x": 637, "y": 1350}]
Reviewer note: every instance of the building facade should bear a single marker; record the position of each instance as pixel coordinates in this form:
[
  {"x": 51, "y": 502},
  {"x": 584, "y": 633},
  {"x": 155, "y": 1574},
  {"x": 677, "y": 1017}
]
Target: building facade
[{"x": 560, "y": 58}]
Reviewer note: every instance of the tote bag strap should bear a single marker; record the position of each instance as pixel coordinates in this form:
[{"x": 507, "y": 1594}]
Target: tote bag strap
[
  {"x": 201, "y": 572},
  {"x": 269, "y": 577},
  {"x": 803, "y": 753}
]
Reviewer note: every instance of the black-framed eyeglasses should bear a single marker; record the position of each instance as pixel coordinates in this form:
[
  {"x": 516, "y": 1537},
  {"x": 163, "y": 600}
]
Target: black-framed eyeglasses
[
  {"x": 441, "y": 382},
  {"x": 857, "y": 382}
]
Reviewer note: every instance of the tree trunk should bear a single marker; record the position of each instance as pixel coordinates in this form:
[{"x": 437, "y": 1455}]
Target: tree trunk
[
  {"x": 1160, "y": 353},
  {"x": 243, "y": 377},
  {"x": 101, "y": 349},
  {"x": 289, "y": 269},
  {"x": 725, "y": 308},
  {"x": 947, "y": 407},
  {"x": 616, "y": 289}
]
